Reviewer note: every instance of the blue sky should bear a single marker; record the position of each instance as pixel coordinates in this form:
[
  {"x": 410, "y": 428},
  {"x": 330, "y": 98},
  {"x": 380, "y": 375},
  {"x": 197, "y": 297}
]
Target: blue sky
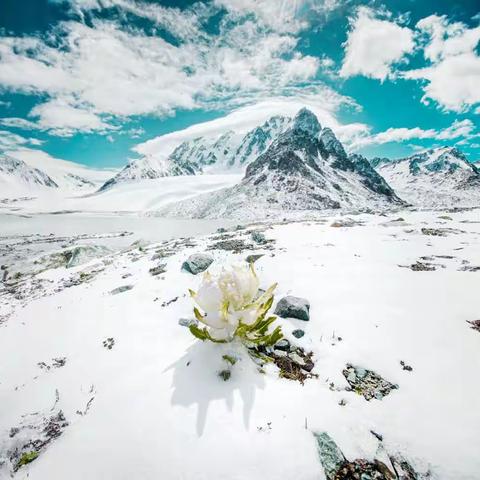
[{"x": 93, "y": 80}]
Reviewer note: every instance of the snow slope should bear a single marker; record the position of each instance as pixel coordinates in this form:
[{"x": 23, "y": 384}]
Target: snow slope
[
  {"x": 139, "y": 197},
  {"x": 437, "y": 178},
  {"x": 154, "y": 407},
  {"x": 16, "y": 176},
  {"x": 33, "y": 172}
]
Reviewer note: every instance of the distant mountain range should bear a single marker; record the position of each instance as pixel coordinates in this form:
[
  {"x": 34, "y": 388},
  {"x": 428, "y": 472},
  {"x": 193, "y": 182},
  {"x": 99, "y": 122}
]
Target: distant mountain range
[
  {"x": 36, "y": 173},
  {"x": 288, "y": 165},
  {"x": 434, "y": 178},
  {"x": 231, "y": 152}
]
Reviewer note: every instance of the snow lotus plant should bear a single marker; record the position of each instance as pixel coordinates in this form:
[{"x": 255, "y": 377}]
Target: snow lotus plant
[{"x": 231, "y": 306}]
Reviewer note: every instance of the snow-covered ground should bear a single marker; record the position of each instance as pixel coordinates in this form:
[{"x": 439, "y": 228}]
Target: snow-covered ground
[
  {"x": 142, "y": 397},
  {"x": 138, "y": 196}
]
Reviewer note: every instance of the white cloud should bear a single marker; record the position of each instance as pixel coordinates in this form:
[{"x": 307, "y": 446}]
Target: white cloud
[
  {"x": 374, "y": 45},
  {"x": 453, "y": 76},
  {"x": 459, "y": 129},
  {"x": 324, "y": 104},
  {"x": 284, "y": 16},
  {"x": 9, "y": 140},
  {"x": 64, "y": 119},
  {"x": 15, "y": 122},
  {"x": 94, "y": 74}
]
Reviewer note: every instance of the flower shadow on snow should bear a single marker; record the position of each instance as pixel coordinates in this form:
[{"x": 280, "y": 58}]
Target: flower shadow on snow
[{"x": 196, "y": 379}]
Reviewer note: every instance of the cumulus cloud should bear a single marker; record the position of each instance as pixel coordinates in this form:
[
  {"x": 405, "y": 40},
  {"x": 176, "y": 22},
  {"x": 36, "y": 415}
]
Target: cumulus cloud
[
  {"x": 453, "y": 76},
  {"x": 63, "y": 119},
  {"x": 374, "y": 45},
  {"x": 96, "y": 73}
]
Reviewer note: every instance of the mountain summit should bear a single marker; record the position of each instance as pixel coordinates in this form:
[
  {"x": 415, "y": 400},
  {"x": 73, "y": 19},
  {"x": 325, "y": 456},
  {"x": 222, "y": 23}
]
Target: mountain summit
[{"x": 305, "y": 168}]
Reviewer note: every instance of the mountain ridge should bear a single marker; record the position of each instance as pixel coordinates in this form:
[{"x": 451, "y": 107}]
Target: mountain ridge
[
  {"x": 300, "y": 171},
  {"x": 441, "y": 177}
]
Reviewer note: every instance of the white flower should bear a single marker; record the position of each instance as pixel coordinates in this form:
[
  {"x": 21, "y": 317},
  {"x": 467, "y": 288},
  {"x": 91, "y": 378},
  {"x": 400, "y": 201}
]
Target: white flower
[{"x": 229, "y": 299}]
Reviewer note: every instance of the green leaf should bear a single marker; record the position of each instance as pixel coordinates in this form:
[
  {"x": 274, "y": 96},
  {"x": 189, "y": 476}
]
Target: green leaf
[
  {"x": 202, "y": 334},
  {"x": 197, "y": 332},
  {"x": 197, "y": 314},
  {"x": 231, "y": 360}
]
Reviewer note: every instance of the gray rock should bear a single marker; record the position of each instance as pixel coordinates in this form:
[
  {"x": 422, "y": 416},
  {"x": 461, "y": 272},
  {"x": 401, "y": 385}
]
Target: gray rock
[
  {"x": 158, "y": 270},
  {"x": 293, "y": 307},
  {"x": 298, "y": 333},
  {"x": 352, "y": 378},
  {"x": 196, "y": 263},
  {"x": 282, "y": 344},
  {"x": 123, "y": 288},
  {"x": 187, "y": 322},
  {"x": 258, "y": 237},
  {"x": 83, "y": 254},
  {"x": 360, "y": 372},
  {"x": 330, "y": 455},
  {"x": 367, "y": 383}
]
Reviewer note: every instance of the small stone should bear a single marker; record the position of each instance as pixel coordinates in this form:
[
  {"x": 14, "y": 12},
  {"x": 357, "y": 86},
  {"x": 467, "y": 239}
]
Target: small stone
[
  {"x": 159, "y": 269},
  {"x": 221, "y": 230},
  {"x": 282, "y": 344},
  {"x": 225, "y": 375},
  {"x": 196, "y": 263},
  {"x": 258, "y": 237},
  {"x": 352, "y": 377},
  {"x": 293, "y": 307},
  {"x": 298, "y": 333},
  {"x": 297, "y": 359},
  {"x": 360, "y": 372},
  {"x": 123, "y": 288},
  {"x": 187, "y": 322},
  {"x": 406, "y": 367}
]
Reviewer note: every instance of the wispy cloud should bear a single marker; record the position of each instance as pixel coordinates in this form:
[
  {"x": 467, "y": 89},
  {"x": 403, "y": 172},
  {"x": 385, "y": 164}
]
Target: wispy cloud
[
  {"x": 96, "y": 73},
  {"x": 12, "y": 141},
  {"x": 458, "y": 130}
]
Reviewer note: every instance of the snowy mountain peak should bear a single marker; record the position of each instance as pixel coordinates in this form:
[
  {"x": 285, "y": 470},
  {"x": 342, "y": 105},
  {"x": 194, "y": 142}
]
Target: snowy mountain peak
[
  {"x": 331, "y": 144},
  {"x": 445, "y": 159},
  {"x": 13, "y": 171},
  {"x": 229, "y": 152},
  {"x": 294, "y": 174},
  {"x": 440, "y": 177},
  {"x": 306, "y": 121}
]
